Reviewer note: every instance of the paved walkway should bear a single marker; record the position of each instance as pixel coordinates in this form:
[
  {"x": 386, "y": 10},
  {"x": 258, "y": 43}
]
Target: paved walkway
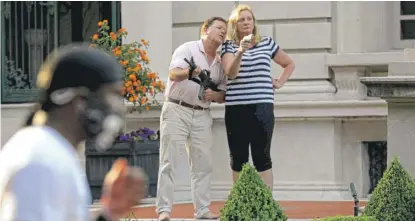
[{"x": 295, "y": 210}]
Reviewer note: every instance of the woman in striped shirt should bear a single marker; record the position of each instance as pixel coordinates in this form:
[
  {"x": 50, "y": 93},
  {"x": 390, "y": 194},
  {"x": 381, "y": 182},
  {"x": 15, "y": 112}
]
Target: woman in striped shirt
[{"x": 249, "y": 100}]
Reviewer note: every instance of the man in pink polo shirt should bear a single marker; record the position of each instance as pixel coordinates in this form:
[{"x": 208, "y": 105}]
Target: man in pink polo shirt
[{"x": 186, "y": 121}]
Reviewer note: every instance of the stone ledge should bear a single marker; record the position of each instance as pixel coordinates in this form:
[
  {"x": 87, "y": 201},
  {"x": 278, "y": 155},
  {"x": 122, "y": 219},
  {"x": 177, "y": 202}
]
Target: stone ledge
[
  {"x": 365, "y": 59},
  {"x": 299, "y": 109},
  {"x": 282, "y": 109},
  {"x": 392, "y": 88},
  {"x": 282, "y": 191},
  {"x": 390, "y": 80}
]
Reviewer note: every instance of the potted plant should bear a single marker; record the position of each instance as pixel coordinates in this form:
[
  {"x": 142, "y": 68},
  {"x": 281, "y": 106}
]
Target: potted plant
[
  {"x": 141, "y": 83},
  {"x": 145, "y": 145},
  {"x": 139, "y": 147}
]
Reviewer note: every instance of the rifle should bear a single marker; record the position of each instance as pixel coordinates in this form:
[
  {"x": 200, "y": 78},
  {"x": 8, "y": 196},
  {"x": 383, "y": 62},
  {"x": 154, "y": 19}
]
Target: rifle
[{"x": 205, "y": 79}]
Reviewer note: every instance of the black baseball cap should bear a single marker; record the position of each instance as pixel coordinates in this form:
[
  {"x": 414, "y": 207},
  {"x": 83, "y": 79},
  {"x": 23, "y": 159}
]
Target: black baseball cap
[
  {"x": 74, "y": 66},
  {"x": 78, "y": 66}
]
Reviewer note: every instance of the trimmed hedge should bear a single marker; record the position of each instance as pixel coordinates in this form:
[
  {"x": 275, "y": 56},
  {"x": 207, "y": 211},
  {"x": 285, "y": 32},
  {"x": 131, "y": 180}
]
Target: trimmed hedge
[
  {"x": 394, "y": 197},
  {"x": 348, "y": 218},
  {"x": 251, "y": 200}
]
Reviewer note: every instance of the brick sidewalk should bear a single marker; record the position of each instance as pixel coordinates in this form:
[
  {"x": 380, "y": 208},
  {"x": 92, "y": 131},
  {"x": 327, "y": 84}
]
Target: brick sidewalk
[{"x": 293, "y": 209}]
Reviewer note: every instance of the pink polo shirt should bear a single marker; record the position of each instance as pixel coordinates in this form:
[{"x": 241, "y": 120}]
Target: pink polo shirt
[{"x": 187, "y": 90}]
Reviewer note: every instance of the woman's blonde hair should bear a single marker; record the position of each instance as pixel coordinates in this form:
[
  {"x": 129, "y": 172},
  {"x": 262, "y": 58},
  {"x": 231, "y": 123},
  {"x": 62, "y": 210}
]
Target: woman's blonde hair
[{"x": 232, "y": 33}]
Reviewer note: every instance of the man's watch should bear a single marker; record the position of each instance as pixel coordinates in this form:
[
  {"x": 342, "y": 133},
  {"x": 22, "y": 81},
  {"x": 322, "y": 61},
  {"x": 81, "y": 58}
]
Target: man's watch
[
  {"x": 102, "y": 218},
  {"x": 102, "y": 215}
]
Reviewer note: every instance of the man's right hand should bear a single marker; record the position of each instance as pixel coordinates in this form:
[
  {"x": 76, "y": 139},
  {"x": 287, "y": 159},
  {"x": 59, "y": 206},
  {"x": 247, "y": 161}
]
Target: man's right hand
[{"x": 195, "y": 72}]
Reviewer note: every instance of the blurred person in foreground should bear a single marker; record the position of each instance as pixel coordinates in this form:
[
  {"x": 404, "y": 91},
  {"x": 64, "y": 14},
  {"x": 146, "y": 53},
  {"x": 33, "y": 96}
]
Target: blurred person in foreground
[{"x": 41, "y": 178}]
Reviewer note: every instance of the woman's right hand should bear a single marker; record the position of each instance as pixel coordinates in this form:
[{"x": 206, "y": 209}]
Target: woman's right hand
[{"x": 244, "y": 45}]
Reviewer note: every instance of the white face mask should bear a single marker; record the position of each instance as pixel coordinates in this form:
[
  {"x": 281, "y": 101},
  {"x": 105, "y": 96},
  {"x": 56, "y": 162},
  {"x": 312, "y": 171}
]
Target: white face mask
[{"x": 110, "y": 128}]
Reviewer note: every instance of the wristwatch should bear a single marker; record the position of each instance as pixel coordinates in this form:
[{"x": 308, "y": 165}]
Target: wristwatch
[
  {"x": 102, "y": 215},
  {"x": 102, "y": 218}
]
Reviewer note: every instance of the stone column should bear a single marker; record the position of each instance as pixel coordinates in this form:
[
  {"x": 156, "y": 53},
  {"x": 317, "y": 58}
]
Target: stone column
[{"x": 398, "y": 89}]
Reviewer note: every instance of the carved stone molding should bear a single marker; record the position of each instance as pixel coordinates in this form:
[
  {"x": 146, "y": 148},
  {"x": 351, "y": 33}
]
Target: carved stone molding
[{"x": 347, "y": 82}]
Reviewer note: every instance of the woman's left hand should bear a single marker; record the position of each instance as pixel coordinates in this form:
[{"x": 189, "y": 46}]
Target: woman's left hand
[{"x": 277, "y": 84}]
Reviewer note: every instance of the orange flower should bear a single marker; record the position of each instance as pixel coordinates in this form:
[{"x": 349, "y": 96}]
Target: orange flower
[
  {"x": 137, "y": 68},
  {"x": 105, "y": 21},
  {"x": 124, "y": 62},
  {"x": 151, "y": 75},
  {"x": 144, "y": 42},
  {"x": 131, "y": 99},
  {"x": 132, "y": 77},
  {"x": 128, "y": 84},
  {"x": 146, "y": 60},
  {"x": 95, "y": 37},
  {"x": 117, "y": 52},
  {"x": 100, "y": 24},
  {"x": 143, "y": 100},
  {"x": 113, "y": 36}
]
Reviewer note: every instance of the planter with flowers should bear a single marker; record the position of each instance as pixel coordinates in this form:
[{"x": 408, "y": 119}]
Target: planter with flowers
[{"x": 140, "y": 147}]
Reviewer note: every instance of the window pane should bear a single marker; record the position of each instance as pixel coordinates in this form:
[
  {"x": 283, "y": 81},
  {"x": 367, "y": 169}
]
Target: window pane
[
  {"x": 407, "y": 8},
  {"x": 407, "y": 29},
  {"x": 28, "y": 35}
]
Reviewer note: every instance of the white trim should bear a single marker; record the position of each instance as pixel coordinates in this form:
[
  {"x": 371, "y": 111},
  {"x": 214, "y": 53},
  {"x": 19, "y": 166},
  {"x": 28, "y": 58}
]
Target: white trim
[
  {"x": 298, "y": 110},
  {"x": 283, "y": 110},
  {"x": 365, "y": 59}
]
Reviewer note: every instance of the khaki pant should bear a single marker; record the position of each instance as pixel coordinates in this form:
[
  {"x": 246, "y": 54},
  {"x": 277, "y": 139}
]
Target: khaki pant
[{"x": 184, "y": 127}]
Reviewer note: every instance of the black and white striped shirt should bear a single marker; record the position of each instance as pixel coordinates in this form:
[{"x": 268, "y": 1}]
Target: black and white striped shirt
[{"x": 253, "y": 84}]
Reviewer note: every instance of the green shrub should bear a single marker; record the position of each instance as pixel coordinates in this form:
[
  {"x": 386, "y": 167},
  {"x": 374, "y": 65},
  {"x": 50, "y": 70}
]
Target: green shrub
[
  {"x": 348, "y": 218},
  {"x": 394, "y": 197},
  {"x": 251, "y": 200}
]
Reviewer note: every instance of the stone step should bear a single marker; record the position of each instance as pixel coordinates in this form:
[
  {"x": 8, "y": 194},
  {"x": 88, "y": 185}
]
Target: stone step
[{"x": 295, "y": 210}]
